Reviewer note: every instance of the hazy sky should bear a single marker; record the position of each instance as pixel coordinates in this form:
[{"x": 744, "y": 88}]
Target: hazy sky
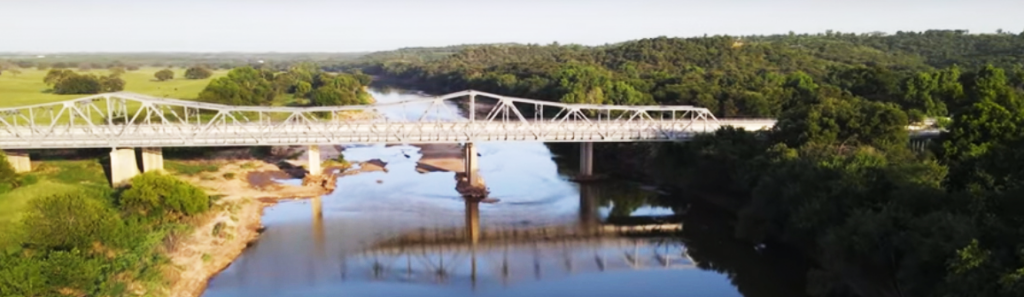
[{"x": 345, "y": 26}]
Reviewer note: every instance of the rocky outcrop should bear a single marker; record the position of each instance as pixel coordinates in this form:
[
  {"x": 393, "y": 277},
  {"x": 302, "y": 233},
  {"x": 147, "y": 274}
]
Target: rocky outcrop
[
  {"x": 475, "y": 190},
  {"x": 325, "y": 181}
]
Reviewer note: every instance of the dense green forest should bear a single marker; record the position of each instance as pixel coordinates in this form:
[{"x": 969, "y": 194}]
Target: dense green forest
[
  {"x": 834, "y": 178},
  {"x": 732, "y": 76}
]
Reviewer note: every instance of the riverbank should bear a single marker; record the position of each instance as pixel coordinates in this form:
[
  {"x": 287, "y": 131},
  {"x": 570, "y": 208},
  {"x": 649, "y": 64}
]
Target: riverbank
[
  {"x": 235, "y": 221},
  {"x": 232, "y": 225}
]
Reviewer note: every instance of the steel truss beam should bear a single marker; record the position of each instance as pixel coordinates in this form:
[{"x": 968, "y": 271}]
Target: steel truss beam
[{"x": 133, "y": 120}]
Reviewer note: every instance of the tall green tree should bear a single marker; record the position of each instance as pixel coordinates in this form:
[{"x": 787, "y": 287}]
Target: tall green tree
[{"x": 164, "y": 75}]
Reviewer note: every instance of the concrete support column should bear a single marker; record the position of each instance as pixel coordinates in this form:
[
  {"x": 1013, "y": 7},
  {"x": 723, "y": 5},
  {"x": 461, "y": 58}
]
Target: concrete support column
[
  {"x": 472, "y": 221},
  {"x": 472, "y": 166},
  {"x": 586, "y": 159},
  {"x": 20, "y": 161},
  {"x": 122, "y": 165},
  {"x": 152, "y": 159},
  {"x": 314, "y": 160}
]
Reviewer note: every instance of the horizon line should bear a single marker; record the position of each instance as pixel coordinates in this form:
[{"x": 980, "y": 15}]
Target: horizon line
[{"x": 876, "y": 32}]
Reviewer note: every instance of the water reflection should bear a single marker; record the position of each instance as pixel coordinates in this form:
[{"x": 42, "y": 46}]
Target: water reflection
[
  {"x": 412, "y": 234},
  {"x": 344, "y": 253}
]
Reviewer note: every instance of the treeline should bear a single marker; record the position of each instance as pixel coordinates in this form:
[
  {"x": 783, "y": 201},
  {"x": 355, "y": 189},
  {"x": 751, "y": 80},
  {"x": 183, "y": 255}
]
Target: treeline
[
  {"x": 734, "y": 77},
  {"x": 132, "y": 61},
  {"x": 305, "y": 81},
  {"x": 836, "y": 180},
  {"x": 64, "y": 81},
  {"x": 96, "y": 242},
  {"x": 407, "y": 55},
  {"x": 939, "y": 48}
]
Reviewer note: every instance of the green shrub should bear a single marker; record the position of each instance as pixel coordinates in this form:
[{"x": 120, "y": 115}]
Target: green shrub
[
  {"x": 28, "y": 180},
  {"x": 217, "y": 229},
  {"x": 7, "y": 174},
  {"x": 73, "y": 270},
  {"x": 229, "y": 175},
  {"x": 21, "y": 276},
  {"x": 70, "y": 220},
  {"x": 156, "y": 195}
]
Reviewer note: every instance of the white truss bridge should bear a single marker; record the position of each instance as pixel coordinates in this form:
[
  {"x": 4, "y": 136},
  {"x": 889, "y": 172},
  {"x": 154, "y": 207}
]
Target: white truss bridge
[{"x": 132, "y": 120}]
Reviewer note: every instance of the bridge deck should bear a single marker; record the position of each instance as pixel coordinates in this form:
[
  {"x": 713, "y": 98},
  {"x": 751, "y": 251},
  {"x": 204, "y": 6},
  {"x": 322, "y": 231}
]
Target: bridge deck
[
  {"x": 170, "y": 135},
  {"x": 133, "y": 120}
]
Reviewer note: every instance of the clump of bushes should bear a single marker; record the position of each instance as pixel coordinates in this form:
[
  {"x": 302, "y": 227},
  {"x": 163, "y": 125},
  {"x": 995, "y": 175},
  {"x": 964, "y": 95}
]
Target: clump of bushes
[
  {"x": 65, "y": 81},
  {"x": 70, "y": 221},
  {"x": 98, "y": 242},
  {"x": 157, "y": 196}
]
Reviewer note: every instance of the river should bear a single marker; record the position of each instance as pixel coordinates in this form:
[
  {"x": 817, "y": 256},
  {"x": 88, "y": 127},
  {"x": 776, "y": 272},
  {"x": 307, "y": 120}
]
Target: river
[{"x": 402, "y": 233}]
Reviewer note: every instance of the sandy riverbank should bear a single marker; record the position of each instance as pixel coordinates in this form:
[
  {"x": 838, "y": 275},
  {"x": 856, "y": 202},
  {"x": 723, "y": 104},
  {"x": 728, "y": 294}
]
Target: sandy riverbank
[{"x": 202, "y": 254}]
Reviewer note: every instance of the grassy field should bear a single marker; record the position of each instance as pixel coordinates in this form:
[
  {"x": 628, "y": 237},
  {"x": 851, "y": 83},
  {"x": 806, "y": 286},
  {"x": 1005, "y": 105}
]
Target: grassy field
[
  {"x": 57, "y": 176},
  {"x": 28, "y": 87}
]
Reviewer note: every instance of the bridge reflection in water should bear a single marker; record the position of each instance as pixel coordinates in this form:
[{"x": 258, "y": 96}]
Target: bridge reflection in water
[{"x": 467, "y": 254}]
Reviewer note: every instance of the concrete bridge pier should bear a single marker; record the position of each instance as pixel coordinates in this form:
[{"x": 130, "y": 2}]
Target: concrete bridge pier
[
  {"x": 122, "y": 165},
  {"x": 152, "y": 159},
  {"x": 314, "y": 160},
  {"x": 469, "y": 183},
  {"x": 472, "y": 163},
  {"x": 586, "y": 160},
  {"x": 20, "y": 161}
]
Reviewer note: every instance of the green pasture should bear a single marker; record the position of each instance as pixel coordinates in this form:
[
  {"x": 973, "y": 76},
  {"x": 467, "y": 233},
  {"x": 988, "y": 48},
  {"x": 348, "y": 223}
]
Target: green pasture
[{"x": 27, "y": 88}]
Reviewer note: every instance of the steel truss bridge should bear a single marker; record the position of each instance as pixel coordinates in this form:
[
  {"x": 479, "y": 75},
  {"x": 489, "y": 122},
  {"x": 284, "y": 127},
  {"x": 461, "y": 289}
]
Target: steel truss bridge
[{"x": 132, "y": 120}]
